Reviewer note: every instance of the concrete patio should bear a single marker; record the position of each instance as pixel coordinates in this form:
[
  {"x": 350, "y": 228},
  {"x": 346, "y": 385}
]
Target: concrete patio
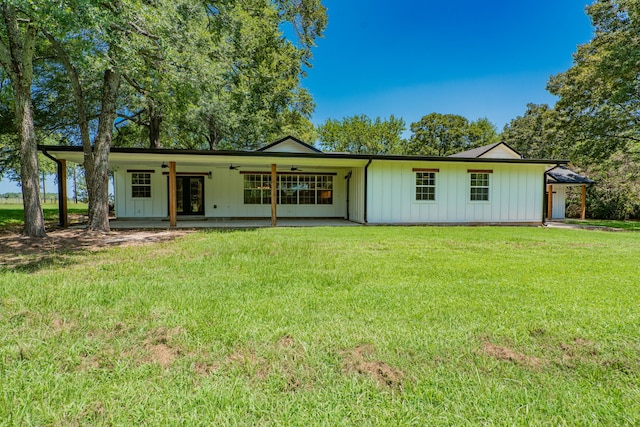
[{"x": 117, "y": 224}]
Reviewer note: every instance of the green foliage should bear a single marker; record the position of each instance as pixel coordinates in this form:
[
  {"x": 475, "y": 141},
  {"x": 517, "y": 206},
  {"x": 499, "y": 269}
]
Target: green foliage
[
  {"x": 445, "y": 134},
  {"x": 539, "y": 133},
  {"x": 326, "y": 326},
  {"x": 360, "y": 134},
  {"x": 616, "y": 194},
  {"x": 599, "y": 108},
  {"x": 223, "y": 76},
  {"x": 600, "y": 93}
]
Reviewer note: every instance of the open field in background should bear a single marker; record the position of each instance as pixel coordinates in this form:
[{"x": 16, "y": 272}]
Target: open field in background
[
  {"x": 328, "y": 326},
  {"x": 12, "y": 215}
]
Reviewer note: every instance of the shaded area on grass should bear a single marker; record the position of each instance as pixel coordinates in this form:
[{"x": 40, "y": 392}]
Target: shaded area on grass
[{"x": 61, "y": 246}]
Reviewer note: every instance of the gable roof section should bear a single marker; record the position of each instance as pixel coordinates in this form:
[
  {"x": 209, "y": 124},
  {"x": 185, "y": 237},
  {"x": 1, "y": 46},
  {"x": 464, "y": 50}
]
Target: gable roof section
[
  {"x": 499, "y": 150},
  {"x": 564, "y": 175},
  {"x": 289, "y": 144}
]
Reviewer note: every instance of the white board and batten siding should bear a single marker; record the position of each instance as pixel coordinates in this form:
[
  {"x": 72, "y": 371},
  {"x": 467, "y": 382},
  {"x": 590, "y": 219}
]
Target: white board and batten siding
[
  {"x": 516, "y": 193},
  {"x": 501, "y": 151},
  {"x": 356, "y": 195},
  {"x": 127, "y": 206}
]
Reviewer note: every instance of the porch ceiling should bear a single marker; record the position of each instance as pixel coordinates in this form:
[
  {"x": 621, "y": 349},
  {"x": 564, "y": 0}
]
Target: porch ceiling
[{"x": 154, "y": 160}]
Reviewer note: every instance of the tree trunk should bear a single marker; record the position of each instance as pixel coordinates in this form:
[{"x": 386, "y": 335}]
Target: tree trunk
[
  {"x": 155, "y": 120},
  {"x": 214, "y": 135},
  {"x": 98, "y": 187},
  {"x": 33, "y": 216},
  {"x": 17, "y": 60}
]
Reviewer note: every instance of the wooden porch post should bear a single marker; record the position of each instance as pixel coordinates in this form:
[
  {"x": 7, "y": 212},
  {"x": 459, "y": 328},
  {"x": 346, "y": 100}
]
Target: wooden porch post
[
  {"x": 549, "y": 201},
  {"x": 583, "y": 210},
  {"x": 172, "y": 195},
  {"x": 62, "y": 178},
  {"x": 274, "y": 194}
]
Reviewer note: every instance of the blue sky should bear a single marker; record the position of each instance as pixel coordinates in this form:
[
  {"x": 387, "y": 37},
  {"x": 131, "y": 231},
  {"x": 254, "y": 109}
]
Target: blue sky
[{"x": 410, "y": 58}]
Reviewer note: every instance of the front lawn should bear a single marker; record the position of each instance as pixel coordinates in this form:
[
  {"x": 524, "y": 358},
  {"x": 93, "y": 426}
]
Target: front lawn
[{"x": 328, "y": 326}]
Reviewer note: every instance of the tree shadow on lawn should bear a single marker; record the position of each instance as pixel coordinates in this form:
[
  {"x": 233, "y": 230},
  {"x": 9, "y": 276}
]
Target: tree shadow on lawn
[{"x": 63, "y": 247}]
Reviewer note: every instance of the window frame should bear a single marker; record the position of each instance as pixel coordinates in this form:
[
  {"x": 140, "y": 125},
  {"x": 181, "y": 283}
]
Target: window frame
[
  {"x": 433, "y": 186},
  {"x": 141, "y": 181},
  {"x": 309, "y": 189},
  {"x": 474, "y": 175}
]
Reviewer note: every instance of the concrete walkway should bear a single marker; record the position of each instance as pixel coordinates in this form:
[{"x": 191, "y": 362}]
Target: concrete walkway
[
  {"x": 117, "y": 224},
  {"x": 566, "y": 225}
]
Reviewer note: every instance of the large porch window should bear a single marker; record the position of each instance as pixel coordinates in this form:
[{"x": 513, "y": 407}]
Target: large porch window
[
  {"x": 257, "y": 189},
  {"x": 292, "y": 189}
]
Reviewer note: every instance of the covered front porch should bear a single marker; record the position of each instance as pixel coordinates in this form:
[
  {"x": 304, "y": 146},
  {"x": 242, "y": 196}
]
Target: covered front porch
[{"x": 209, "y": 189}]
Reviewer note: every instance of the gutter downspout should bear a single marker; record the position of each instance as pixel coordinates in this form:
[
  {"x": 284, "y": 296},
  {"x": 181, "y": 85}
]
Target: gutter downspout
[
  {"x": 348, "y": 178},
  {"x": 366, "y": 191},
  {"x": 61, "y": 220},
  {"x": 544, "y": 196}
]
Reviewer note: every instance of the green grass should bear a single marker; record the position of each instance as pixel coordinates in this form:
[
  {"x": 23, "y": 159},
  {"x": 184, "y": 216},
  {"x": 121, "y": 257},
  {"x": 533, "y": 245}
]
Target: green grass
[
  {"x": 12, "y": 215},
  {"x": 329, "y": 326},
  {"x": 625, "y": 225}
]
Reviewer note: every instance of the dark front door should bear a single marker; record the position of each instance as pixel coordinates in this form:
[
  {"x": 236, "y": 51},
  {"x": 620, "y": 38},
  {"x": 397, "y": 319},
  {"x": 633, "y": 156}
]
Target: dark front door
[{"x": 190, "y": 195}]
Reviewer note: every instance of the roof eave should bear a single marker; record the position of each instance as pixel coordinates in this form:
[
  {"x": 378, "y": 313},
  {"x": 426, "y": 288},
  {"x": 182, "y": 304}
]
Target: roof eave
[{"x": 229, "y": 153}]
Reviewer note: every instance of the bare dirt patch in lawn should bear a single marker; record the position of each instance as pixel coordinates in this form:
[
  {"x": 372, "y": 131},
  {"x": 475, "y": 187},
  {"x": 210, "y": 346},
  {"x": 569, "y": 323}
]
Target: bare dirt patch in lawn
[
  {"x": 20, "y": 251},
  {"x": 247, "y": 359},
  {"x": 59, "y": 325},
  {"x": 359, "y": 360},
  {"x": 507, "y": 354},
  {"x": 160, "y": 347}
]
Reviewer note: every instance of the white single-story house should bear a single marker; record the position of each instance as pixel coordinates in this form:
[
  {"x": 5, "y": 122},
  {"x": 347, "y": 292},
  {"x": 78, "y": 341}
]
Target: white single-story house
[{"x": 291, "y": 179}]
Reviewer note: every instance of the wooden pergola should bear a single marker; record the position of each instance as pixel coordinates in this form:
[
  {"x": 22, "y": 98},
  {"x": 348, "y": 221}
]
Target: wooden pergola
[{"x": 563, "y": 176}]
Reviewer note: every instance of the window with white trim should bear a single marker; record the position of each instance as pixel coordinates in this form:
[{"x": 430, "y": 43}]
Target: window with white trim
[
  {"x": 140, "y": 185},
  {"x": 479, "y": 187},
  {"x": 257, "y": 189},
  {"x": 425, "y": 186},
  {"x": 292, "y": 189}
]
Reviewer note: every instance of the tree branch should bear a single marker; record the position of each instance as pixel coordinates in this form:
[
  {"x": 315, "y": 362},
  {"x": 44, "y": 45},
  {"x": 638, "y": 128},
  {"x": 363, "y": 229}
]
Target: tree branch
[
  {"x": 78, "y": 92},
  {"x": 135, "y": 85},
  {"x": 135, "y": 118},
  {"x": 143, "y": 32}
]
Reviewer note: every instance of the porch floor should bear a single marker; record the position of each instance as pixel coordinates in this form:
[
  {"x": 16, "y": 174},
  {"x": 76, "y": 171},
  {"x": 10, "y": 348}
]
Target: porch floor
[{"x": 117, "y": 224}]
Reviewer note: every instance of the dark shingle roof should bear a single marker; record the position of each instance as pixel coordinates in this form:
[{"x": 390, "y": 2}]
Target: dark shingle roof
[{"x": 564, "y": 175}]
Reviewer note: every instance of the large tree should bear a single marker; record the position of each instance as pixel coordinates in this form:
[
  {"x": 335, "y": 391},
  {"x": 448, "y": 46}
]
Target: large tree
[
  {"x": 444, "y": 134},
  {"x": 17, "y": 47},
  {"x": 211, "y": 74},
  {"x": 225, "y": 75},
  {"x": 539, "y": 133},
  {"x": 360, "y": 134},
  {"x": 600, "y": 93}
]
